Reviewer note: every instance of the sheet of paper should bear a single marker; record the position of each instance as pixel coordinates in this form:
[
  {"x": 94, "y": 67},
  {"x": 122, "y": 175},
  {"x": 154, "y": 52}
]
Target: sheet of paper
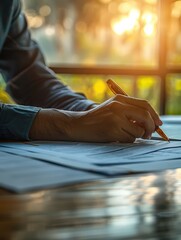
[
  {"x": 36, "y": 165},
  {"x": 173, "y": 131},
  {"x": 148, "y": 166},
  {"x": 62, "y": 159},
  {"x": 171, "y": 126},
  {"x": 91, "y": 156},
  {"x": 21, "y": 174},
  {"x": 171, "y": 119}
]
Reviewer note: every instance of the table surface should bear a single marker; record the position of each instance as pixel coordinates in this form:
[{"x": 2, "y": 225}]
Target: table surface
[{"x": 133, "y": 207}]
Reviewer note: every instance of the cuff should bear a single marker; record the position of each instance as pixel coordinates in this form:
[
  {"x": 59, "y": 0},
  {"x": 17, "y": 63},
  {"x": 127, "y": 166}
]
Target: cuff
[{"x": 16, "y": 121}]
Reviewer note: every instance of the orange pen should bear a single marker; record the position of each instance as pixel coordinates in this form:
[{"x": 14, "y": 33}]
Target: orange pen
[{"x": 117, "y": 90}]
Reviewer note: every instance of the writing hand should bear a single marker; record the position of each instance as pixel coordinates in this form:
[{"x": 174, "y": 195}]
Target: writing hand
[{"x": 120, "y": 118}]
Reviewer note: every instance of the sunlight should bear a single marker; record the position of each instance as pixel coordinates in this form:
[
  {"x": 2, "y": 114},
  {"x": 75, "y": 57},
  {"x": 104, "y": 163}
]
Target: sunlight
[
  {"x": 123, "y": 25},
  {"x": 99, "y": 87},
  {"x": 178, "y": 84},
  {"x": 145, "y": 82},
  {"x": 134, "y": 14},
  {"x": 45, "y": 10},
  {"x": 149, "y": 29},
  {"x": 118, "y": 27},
  {"x": 147, "y": 17},
  {"x": 127, "y": 23},
  {"x": 50, "y": 31}
]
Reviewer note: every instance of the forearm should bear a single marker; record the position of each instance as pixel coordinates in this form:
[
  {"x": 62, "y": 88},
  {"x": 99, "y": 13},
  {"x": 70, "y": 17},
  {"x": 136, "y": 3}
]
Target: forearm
[
  {"x": 29, "y": 81},
  {"x": 120, "y": 119},
  {"x": 41, "y": 88},
  {"x": 51, "y": 124}
]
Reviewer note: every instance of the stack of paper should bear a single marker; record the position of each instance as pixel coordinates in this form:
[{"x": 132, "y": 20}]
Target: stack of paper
[{"x": 35, "y": 165}]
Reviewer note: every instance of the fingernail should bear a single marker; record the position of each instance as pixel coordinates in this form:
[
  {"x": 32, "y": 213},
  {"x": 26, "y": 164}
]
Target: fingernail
[{"x": 159, "y": 122}]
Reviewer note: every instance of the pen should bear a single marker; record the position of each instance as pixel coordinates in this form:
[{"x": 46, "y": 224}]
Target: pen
[{"x": 117, "y": 90}]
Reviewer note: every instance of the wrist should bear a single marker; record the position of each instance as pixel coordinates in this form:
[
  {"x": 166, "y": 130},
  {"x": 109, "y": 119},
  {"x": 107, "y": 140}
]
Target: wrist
[{"x": 50, "y": 124}]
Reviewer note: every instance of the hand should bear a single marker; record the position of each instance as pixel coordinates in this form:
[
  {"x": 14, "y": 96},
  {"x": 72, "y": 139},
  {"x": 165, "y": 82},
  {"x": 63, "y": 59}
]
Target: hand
[{"x": 121, "y": 118}]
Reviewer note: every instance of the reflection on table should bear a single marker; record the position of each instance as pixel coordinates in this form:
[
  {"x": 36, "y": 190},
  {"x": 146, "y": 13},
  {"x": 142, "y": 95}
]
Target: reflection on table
[{"x": 139, "y": 207}]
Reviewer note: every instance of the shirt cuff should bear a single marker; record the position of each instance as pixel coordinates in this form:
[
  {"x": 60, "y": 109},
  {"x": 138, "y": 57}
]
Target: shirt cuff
[{"x": 16, "y": 121}]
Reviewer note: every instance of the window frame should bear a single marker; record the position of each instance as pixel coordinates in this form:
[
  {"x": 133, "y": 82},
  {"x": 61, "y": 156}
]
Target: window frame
[{"x": 161, "y": 71}]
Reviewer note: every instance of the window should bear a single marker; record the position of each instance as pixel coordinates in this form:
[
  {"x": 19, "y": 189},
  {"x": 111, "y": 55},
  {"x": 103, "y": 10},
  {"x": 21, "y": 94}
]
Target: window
[{"x": 138, "y": 43}]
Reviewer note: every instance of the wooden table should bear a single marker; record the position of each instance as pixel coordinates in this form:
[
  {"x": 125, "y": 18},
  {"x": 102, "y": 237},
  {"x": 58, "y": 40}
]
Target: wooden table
[{"x": 133, "y": 207}]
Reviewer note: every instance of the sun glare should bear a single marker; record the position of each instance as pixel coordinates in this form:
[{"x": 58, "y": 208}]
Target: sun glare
[
  {"x": 131, "y": 21},
  {"x": 134, "y": 14},
  {"x": 149, "y": 29},
  {"x": 123, "y": 25}
]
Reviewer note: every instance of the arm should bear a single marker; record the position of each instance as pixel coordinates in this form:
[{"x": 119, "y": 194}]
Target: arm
[
  {"x": 120, "y": 118},
  {"x": 111, "y": 121},
  {"x": 29, "y": 80}
]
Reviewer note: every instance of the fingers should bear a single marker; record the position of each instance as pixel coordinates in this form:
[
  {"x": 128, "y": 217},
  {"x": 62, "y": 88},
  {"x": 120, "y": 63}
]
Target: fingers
[
  {"x": 122, "y": 129},
  {"x": 103, "y": 125},
  {"x": 133, "y": 129},
  {"x": 114, "y": 120},
  {"x": 143, "y": 104},
  {"x": 125, "y": 137},
  {"x": 141, "y": 117},
  {"x": 120, "y": 120}
]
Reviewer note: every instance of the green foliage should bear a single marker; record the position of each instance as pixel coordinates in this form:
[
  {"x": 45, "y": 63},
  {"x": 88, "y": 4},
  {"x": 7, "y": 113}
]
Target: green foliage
[
  {"x": 4, "y": 97},
  {"x": 95, "y": 88},
  {"x": 173, "y": 94}
]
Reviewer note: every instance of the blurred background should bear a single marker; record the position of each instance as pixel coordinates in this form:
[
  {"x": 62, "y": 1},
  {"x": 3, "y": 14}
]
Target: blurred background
[{"x": 136, "y": 43}]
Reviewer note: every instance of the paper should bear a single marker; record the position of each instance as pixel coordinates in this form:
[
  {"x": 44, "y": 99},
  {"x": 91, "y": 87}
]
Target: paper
[
  {"x": 21, "y": 174},
  {"x": 171, "y": 126},
  {"x": 172, "y": 131},
  {"x": 171, "y": 119},
  {"x": 91, "y": 156},
  {"x": 36, "y": 165}
]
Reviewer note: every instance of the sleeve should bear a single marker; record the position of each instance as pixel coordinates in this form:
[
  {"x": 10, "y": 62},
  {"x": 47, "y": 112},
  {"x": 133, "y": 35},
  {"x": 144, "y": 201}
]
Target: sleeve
[
  {"x": 16, "y": 121},
  {"x": 29, "y": 80}
]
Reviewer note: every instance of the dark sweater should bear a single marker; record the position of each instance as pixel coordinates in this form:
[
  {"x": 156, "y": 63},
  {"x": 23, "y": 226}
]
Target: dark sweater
[{"x": 29, "y": 81}]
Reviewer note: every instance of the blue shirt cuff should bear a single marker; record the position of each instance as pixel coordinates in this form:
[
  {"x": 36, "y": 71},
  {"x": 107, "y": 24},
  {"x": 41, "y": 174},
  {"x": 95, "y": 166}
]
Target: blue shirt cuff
[{"x": 16, "y": 121}]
